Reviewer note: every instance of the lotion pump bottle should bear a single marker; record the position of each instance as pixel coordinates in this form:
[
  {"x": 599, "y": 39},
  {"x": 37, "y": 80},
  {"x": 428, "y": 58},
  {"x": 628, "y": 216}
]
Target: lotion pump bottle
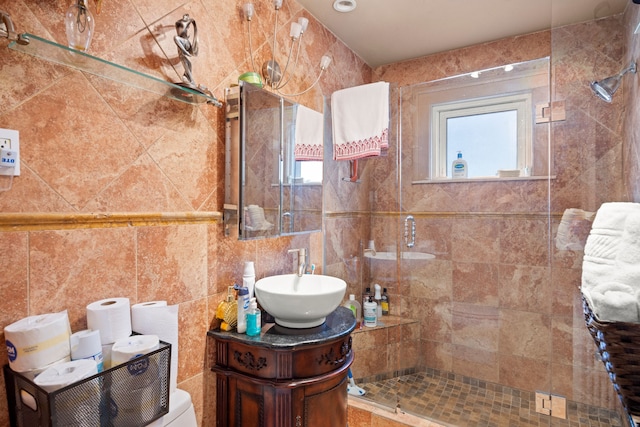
[
  {"x": 378, "y": 298},
  {"x": 370, "y": 313},
  {"x": 253, "y": 319},
  {"x": 459, "y": 167}
]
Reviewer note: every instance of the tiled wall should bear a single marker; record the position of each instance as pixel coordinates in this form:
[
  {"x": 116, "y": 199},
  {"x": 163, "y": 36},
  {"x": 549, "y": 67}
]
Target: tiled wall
[
  {"x": 499, "y": 295},
  {"x": 89, "y": 145}
]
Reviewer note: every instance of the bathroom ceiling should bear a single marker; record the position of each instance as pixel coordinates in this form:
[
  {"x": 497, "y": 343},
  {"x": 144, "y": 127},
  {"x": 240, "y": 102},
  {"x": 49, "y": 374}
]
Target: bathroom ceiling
[{"x": 386, "y": 31}]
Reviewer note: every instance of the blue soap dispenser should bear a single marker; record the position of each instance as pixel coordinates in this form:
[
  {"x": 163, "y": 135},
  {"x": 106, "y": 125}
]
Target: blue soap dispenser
[{"x": 254, "y": 323}]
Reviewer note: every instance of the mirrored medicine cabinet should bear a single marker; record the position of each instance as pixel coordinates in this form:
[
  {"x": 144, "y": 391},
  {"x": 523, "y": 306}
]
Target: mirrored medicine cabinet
[{"x": 267, "y": 192}]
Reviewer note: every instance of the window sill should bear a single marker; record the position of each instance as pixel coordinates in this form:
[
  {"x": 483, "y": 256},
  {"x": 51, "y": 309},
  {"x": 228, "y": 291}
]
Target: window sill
[{"x": 484, "y": 179}]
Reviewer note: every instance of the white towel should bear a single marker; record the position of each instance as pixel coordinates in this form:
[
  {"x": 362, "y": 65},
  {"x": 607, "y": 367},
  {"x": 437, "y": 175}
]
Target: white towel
[
  {"x": 601, "y": 248},
  {"x": 360, "y": 120},
  {"x": 573, "y": 229},
  {"x": 615, "y": 302},
  {"x": 627, "y": 267},
  {"x": 613, "y": 215},
  {"x": 255, "y": 219},
  {"x": 308, "y": 134}
]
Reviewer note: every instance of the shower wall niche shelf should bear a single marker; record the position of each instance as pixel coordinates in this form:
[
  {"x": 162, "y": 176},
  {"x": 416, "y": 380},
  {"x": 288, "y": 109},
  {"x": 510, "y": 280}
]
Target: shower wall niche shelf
[{"x": 81, "y": 61}]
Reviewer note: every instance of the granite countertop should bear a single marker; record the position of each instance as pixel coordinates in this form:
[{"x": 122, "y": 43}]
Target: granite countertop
[{"x": 339, "y": 323}]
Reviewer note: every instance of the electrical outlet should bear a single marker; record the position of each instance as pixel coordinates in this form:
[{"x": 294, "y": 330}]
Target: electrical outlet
[{"x": 10, "y": 149}]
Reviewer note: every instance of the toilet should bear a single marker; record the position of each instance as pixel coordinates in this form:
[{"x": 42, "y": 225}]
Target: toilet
[{"x": 181, "y": 412}]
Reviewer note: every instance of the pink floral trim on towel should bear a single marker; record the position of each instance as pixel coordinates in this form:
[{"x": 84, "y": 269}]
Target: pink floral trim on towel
[
  {"x": 308, "y": 152},
  {"x": 369, "y": 147}
]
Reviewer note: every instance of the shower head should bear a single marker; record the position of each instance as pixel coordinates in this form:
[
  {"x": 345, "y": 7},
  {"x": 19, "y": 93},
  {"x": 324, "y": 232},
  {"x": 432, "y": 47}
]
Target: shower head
[{"x": 607, "y": 87}]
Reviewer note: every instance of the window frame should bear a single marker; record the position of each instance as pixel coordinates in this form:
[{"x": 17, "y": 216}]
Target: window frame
[{"x": 520, "y": 102}]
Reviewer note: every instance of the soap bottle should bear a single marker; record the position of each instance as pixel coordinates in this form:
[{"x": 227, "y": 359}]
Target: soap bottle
[
  {"x": 253, "y": 319},
  {"x": 459, "y": 167},
  {"x": 243, "y": 307},
  {"x": 249, "y": 277},
  {"x": 365, "y": 297},
  {"x": 370, "y": 313},
  {"x": 385, "y": 302},
  {"x": 378, "y": 299},
  {"x": 354, "y": 306}
]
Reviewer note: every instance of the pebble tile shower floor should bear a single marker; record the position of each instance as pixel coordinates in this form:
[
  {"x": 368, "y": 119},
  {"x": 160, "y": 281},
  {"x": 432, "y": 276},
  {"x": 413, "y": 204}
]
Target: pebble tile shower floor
[{"x": 464, "y": 402}]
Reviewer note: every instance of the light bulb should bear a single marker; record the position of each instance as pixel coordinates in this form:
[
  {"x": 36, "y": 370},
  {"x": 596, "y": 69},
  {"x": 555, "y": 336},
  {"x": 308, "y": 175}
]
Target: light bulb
[
  {"x": 277, "y": 4},
  {"x": 324, "y": 62},
  {"x": 248, "y": 10},
  {"x": 79, "y": 25},
  {"x": 296, "y": 30},
  {"x": 304, "y": 23}
]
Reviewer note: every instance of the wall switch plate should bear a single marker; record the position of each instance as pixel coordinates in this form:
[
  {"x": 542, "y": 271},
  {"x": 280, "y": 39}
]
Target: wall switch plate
[{"x": 10, "y": 140}]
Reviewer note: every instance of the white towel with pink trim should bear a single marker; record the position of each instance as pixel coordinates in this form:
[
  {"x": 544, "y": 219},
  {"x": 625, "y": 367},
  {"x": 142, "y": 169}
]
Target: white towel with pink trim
[
  {"x": 360, "y": 118},
  {"x": 309, "y": 134}
]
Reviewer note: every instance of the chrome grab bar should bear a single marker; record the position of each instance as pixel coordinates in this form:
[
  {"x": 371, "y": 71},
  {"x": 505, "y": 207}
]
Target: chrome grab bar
[{"x": 412, "y": 242}]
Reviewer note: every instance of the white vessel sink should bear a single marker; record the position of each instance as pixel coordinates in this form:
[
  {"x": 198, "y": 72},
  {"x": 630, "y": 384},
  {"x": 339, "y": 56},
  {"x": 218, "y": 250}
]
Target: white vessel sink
[
  {"x": 300, "y": 301},
  {"x": 391, "y": 256}
]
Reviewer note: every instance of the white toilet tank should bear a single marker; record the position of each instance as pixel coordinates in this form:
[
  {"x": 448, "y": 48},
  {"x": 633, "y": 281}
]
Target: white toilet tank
[{"x": 181, "y": 412}]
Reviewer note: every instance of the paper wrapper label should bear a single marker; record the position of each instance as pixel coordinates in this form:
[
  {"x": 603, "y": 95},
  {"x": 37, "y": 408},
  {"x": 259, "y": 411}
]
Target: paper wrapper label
[{"x": 37, "y": 341}]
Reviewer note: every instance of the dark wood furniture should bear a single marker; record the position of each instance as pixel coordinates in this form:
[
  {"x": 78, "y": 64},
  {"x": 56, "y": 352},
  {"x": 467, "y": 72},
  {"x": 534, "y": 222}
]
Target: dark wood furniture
[{"x": 284, "y": 377}]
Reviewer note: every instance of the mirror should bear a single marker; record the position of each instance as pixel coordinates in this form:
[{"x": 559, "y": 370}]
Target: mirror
[{"x": 269, "y": 190}]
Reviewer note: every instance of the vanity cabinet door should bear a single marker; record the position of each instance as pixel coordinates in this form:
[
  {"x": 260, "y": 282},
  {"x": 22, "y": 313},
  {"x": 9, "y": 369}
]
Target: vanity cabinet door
[{"x": 321, "y": 404}]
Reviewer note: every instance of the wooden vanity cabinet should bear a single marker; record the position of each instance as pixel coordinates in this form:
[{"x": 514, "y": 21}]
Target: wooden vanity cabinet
[{"x": 283, "y": 380}]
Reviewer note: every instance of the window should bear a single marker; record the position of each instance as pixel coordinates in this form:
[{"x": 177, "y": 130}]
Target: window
[
  {"x": 487, "y": 115},
  {"x": 491, "y": 133}
]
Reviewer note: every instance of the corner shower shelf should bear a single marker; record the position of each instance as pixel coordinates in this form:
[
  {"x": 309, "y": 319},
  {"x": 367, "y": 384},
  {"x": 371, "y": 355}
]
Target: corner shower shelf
[{"x": 64, "y": 55}]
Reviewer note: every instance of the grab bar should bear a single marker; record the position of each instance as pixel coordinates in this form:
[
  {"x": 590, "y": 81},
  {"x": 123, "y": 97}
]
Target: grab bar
[{"x": 412, "y": 242}]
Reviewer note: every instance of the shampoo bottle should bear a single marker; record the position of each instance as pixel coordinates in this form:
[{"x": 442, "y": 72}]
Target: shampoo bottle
[
  {"x": 353, "y": 305},
  {"x": 370, "y": 313},
  {"x": 254, "y": 322},
  {"x": 378, "y": 299},
  {"x": 459, "y": 167},
  {"x": 249, "y": 277},
  {"x": 385, "y": 302},
  {"x": 243, "y": 307}
]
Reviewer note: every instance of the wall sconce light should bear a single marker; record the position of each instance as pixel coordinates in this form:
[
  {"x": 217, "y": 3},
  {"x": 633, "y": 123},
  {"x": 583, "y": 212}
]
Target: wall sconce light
[
  {"x": 272, "y": 73},
  {"x": 607, "y": 87}
]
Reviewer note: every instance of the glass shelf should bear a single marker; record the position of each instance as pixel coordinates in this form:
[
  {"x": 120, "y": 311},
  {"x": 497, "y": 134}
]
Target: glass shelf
[{"x": 64, "y": 55}]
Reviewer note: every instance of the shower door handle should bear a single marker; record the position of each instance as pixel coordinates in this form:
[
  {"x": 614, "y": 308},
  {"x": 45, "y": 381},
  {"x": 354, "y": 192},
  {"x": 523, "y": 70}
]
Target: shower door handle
[{"x": 410, "y": 235}]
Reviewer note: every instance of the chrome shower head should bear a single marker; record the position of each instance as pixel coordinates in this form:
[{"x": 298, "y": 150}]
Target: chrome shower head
[{"x": 607, "y": 87}]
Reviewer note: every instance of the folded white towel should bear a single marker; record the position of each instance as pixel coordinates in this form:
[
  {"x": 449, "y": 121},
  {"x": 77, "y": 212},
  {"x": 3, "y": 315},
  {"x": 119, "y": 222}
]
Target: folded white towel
[
  {"x": 360, "y": 121},
  {"x": 255, "y": 219},
  {"x": 613, "y": 215},
  {"x": 615, "y": 302},
  {"x": 309, "y": 135},
  {"x": 627, "y": 266},
  {"x": 573, "y": 229},
  {"x": 602, "y": 246}
]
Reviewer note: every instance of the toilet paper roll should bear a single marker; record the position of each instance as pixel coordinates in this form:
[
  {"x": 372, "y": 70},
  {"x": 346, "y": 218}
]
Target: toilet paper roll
[
  {"x": 37, "y": 341},
  {"x": 157, "y": 318},
  {"x": 106, "y": 355},
  {"x": 128, "y": 348},
  {"x": 137, "y": 397},
  {"x": 64, "y": 374},
  {"x": 86, "y": 344},
  {"x": 31, "y": 374},
  {"x": 111, "y": 317},
  {"x": 80, "y": 404}
]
